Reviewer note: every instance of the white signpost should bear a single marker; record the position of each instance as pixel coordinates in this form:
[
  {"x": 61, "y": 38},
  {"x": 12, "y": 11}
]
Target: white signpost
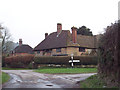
[{"x": 72, "y": 61}]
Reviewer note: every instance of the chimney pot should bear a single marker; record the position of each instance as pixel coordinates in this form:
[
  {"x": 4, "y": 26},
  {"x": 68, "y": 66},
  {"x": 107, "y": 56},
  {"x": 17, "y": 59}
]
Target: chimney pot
[
  {"x": 59, "y": 28},
  {"x": 74, "y": 34},
  {"x": 46, "y": 34},
  {"x": 20, "y": 42}
]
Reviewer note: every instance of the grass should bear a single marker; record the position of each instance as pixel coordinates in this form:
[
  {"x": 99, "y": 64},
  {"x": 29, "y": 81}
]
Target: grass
[
  {"x": 66, "y": 70},
  {"x": 92, "y": 82},
  {"x": 5, "y": 77},
  {"x": 95, "y": 82}
]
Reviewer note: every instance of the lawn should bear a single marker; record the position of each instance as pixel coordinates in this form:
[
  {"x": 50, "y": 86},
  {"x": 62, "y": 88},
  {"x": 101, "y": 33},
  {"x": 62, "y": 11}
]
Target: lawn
[
  {"x": 66, "y": 70},
  {"x": 5, "y": 77}
]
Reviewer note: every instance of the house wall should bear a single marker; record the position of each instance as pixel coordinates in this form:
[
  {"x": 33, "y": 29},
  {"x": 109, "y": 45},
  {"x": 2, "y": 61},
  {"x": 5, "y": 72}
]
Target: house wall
[
  {"x": 76, "y": 52},
  {"x": 63, "y": 51},
  {"x": 68, "y": 50},
  {"x": 72, "y": 50}
]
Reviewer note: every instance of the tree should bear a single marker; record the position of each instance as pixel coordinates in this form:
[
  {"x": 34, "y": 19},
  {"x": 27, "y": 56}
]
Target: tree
[
  {"x": 109, "y": 55},
  {"x": 84, "y": 31},
  {"x": 7, "y": 40}
]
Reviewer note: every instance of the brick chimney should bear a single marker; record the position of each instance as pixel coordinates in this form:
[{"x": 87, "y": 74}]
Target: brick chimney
[
  {"x": 46, "y": 34},
  {"x": 74, "y": 34},
  {"x": 20, "y": 42},
  {"x": 59, "y": 28}
]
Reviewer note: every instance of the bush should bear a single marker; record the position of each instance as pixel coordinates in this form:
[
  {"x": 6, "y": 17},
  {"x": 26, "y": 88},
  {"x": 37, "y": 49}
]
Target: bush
[{"x": 19, "y": 61}]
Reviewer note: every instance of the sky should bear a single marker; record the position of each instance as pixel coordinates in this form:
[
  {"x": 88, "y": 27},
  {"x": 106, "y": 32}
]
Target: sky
[{"x": 31, "y": 19}]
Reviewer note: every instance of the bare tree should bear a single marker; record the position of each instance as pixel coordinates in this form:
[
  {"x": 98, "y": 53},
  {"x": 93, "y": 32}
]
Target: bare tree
[{"x": 7, "y": 40}]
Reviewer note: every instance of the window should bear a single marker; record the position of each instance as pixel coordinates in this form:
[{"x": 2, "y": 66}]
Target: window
[
  {"x": 58, "y": 50},
  {"x": 48, "y": 50},
  {"x": 38, "y": 52},
  {"x": 81, "y": 49}
]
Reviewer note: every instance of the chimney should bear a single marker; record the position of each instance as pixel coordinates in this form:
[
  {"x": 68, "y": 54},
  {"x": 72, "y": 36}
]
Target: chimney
[
  {"x": 46, "y": 34},
  {"x": 20, "y": 42},
  {"x": 59, "y": 28},
  {"x": 74, "y": 34}
]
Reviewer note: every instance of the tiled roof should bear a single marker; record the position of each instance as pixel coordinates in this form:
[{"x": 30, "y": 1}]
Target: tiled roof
[
  {"x": 86, "y": 41},
  {"x": 23, "y": 49},
  {"x": 52, "y": 41},
  {"x": 64, "y": 40}
]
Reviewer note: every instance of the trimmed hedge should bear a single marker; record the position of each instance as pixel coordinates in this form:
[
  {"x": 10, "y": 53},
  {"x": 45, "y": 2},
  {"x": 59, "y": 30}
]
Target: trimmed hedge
[
  {"x": 25, "y": 60},
  {"x": 19, "y": 61},
  {"x": 51, "y": 59},
  {"x": 64, "y": 60}
]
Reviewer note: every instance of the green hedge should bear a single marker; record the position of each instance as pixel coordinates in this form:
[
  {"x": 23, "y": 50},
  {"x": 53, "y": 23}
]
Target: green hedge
[
  {"x": 19, "y": 61},
  {"x": 87, "y": 60},
  {"x": 51, "y": 59},
  {"x": 64, "y": 60}
]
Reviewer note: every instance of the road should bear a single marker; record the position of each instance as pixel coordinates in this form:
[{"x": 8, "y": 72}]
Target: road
[{"x": 30, "y": 79}]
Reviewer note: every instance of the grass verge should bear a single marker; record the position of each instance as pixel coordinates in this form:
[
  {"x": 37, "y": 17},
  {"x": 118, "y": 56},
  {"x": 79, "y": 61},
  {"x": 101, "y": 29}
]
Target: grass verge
[
  {"x": 66, "y": 70},
  {"x": 92, "y": 82},
  {"x": 95, "y": 82},
  {"x": 5, "y": 77}
]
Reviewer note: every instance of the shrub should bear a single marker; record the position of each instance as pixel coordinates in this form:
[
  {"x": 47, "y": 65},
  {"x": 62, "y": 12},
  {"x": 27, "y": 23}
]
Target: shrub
[{"x": 22, "y": 60}]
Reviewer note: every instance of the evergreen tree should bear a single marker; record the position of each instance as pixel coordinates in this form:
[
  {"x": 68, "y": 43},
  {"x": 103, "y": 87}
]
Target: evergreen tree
[{"x": 84, "y": 31}]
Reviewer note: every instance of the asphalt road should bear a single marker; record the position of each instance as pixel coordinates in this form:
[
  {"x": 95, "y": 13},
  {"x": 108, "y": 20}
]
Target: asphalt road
[{"x": 30, "y": 79}]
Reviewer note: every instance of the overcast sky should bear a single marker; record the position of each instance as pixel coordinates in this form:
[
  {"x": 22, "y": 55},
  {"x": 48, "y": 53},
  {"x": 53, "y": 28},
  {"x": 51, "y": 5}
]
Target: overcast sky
[{"x": 31, "y": 19}]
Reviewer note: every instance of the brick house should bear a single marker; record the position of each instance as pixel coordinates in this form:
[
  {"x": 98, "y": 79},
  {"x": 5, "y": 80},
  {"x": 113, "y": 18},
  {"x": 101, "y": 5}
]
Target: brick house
[
  {"x": 23, "y": 49},
  {"x": 63, "y": 43}
]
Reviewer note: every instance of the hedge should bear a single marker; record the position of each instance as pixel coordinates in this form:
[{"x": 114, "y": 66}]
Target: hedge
[
  {"x": 19, "y": 61},
  {"x": 64, "y": 60}
]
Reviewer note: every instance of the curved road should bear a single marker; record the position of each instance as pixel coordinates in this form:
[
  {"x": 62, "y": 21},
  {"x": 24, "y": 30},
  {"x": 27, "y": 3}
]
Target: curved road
[{"x": 30, "y": 79}]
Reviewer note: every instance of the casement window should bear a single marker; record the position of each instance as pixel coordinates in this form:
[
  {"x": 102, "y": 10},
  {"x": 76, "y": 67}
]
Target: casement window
[
  {"x": 81, "y": 49},
  {"x": 58, "y": 50},
  {"x": 48, "y": 50},
  {"x": 38, "y": 52}
]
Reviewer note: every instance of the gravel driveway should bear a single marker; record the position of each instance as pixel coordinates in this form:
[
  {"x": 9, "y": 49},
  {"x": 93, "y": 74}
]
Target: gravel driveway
[{"x": 30, "y": 79}]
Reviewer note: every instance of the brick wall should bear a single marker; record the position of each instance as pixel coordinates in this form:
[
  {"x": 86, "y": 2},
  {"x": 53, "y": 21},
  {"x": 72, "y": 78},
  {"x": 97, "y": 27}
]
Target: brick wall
[
  {"x": 68, "y": 50},
  {"x": 73, "y": 50},
  {"x": 63, "y": 51}
]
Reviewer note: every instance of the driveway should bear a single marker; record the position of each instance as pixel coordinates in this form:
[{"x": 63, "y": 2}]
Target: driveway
[{"x": 30, "y": 79}]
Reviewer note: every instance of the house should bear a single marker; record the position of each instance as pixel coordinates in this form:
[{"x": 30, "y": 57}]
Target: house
[
  {"x": 23, "y": 48},
  {"x": 63, "y": 43}
]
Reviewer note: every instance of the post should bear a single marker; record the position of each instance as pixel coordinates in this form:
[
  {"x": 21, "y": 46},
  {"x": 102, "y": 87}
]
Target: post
[
  {"x": 0, "y": 60},
  {"x": 72, "y": 60}
]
